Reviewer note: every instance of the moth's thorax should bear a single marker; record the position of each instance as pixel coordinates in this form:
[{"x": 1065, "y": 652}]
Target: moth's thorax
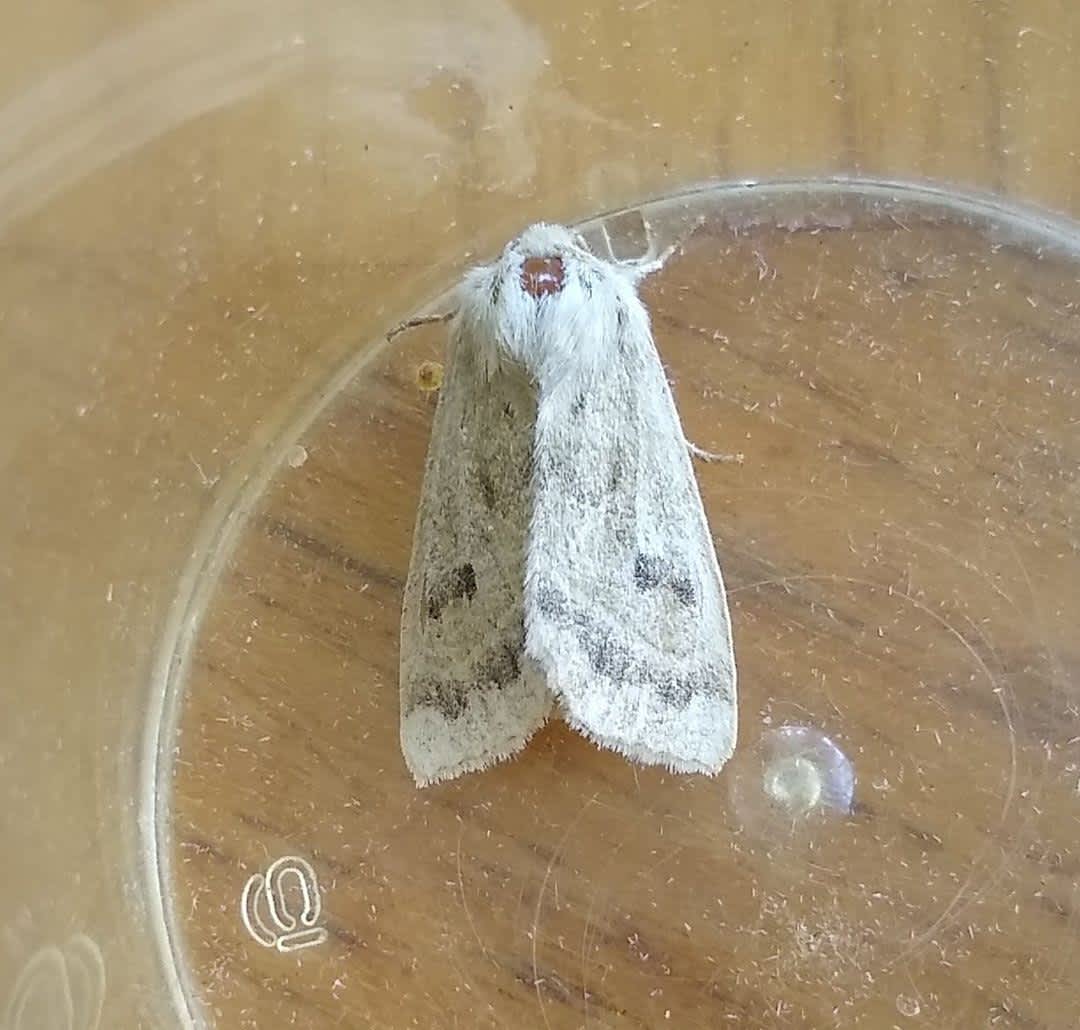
[{"x": 546, "y": 303}]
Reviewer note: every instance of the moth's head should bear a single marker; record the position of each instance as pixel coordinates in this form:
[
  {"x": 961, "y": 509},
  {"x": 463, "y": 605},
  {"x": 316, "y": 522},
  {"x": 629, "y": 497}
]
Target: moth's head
[
  {"x": 540, "y": 257},
  {"x": 546, "y": 298}
]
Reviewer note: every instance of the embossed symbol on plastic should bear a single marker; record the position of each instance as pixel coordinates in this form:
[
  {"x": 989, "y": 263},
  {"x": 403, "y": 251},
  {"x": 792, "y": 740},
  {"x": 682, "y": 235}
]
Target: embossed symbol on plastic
[
  {"x": 59, "y": 989},
  {"x": 281, "y": 907}
]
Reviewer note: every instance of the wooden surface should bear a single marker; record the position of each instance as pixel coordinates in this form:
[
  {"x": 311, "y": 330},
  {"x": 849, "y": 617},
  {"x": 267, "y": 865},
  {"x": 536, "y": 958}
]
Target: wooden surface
[
  {"x": 898, "y": 554},
  {"x": 208, "y": 208}
]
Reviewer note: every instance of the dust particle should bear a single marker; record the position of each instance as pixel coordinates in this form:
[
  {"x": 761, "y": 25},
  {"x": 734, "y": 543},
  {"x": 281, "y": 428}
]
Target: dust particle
[{"x": 297, "y": 456}]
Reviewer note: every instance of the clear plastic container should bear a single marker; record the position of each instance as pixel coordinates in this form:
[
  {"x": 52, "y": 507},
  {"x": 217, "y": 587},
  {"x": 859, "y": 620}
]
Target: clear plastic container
[{"x": 211, "y": 215}]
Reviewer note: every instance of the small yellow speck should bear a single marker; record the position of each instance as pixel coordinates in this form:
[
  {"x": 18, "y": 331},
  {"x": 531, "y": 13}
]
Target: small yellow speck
[{"x": 429, "y": 376}]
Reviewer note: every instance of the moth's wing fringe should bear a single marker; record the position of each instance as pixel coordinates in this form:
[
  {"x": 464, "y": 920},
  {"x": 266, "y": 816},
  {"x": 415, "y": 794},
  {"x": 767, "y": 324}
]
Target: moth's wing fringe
[
  {"x": 500, "y": 741},
  {"x": 641, "y": 755}
]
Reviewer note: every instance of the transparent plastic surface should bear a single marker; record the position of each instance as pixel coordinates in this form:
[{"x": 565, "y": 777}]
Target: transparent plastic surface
[
  {"x": 890, "y": 813},
  {"x": 210, "y": 216}
]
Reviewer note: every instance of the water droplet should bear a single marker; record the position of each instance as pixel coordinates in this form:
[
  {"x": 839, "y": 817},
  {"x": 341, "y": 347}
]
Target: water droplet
[
  {"x": 793, "y": 773},
  {"x": 793, "y": 782}
]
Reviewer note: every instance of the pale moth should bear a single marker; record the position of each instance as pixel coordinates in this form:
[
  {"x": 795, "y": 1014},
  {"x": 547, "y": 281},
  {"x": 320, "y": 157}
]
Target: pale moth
[{"x": 561, "y": 557}]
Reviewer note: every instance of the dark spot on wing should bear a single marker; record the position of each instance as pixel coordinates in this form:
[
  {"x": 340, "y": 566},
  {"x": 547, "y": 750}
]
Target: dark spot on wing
[
  {"x": 459, "y": 583},
  {"x": 615, "y": 476},
  {"x": 651, "y": 572},
  {"x": 577, "y": 407},
  {"x": 620, "y": 322},
  {"x": 487, "y": 488},
  {"x": 451, "y": 697},
  {"x": 648, "y": 571},
  {"x": 616, "y": 659},
  {"x": 498, "y": 669},
  {"x": 501, "y": 667},
  {"x": 464, "y": 582},
  {"x": 683, "y": 589},
  {"x": 676, "y": 691},
  {"x": 606, "y": 655},
  {"x": 549, "y": 600}
]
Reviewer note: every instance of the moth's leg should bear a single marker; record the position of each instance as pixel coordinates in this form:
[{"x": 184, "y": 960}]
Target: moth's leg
[
  {"x": 651, "y": 261},
  {"x": 712, "y": 456},
  {"x": 419, "y": 320},
  {"x": 636, "y": 269}
]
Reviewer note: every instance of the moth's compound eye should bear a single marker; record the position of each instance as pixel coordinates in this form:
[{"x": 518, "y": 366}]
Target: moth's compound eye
[{"x": 542, "y": 276}]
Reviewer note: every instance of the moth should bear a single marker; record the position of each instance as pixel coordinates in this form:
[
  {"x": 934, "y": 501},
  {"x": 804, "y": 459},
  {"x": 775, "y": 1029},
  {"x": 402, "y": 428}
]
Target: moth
[{"x": 561, "y": 558}]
